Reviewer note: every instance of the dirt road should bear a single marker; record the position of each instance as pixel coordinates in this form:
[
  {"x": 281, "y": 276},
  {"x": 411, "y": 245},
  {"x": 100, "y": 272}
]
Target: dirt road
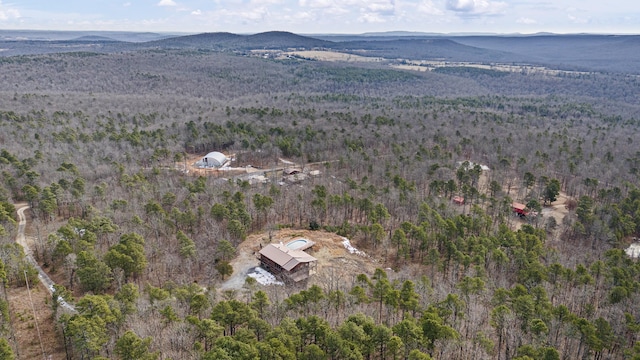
[
  {"x": 21, "y": 239},
  {"x": 33, "y": 326}
]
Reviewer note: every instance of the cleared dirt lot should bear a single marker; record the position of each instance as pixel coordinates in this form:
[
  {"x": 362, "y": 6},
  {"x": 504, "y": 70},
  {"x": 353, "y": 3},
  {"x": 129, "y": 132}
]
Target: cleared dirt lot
[
  {"x": 556, "y": 210},
  {"x": 334, "y": 259}
]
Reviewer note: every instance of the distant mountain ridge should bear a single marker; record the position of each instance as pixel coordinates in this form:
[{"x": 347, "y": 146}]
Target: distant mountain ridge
[
  {"x": 43, "y": 35},
  {"x": 584, "y": 52},
  {"x": 224, "y": 40},
  {"x": 424, "y": 49},
  {"x": 389, "y": 47},
  {"x": 93, "y": 38}
]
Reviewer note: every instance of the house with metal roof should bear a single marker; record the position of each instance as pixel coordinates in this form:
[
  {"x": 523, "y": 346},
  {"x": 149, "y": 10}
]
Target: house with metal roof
[{"x": 289, "y": 263}]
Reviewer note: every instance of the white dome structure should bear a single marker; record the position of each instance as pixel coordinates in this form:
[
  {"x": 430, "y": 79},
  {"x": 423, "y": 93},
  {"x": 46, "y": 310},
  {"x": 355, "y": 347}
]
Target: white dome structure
[{"x": 212, "y": 160}]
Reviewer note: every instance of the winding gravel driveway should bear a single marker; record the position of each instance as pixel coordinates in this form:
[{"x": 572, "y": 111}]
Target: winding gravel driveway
[{"x": 44, "y": 278}]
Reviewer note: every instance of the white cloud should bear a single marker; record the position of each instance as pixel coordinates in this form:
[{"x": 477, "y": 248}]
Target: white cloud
[
  {"x": 460, "y": 5},
  {"x": 476, "y": 7},
  {"x": 427, "y": 7},
  {"x": 265, "y": 2},
  {"x": 526, "y": 21},
  {"x": 167, "y": 3},
  {"x": 7, "y": 12},
  {"x": 350, "y": 6},
  {"x": 577, "y": 20},
  {"x": 382, "y": 7},
  {"x": 317, "y": 3},
  {"x": 302, "y": 16},
  {"x": 376, "y": 11},
  {"x": 371, "y": 18},
  {"x": 332, "y": 8},
  {"x": 349, "y": 16},
  {"x": 578, "y": 15},
  {"x": 344, "y": 13},
  {"x": 252, "y": 14},
  {"x": 336, "y": 11}
]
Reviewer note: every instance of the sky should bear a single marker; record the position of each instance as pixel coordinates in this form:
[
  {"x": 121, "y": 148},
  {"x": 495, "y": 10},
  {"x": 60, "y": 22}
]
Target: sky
[{"x": 325, "y": 16}]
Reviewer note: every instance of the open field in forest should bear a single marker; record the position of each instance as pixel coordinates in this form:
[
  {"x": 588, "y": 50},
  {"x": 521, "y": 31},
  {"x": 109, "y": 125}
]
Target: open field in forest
[{"x": 332, "y": 56}]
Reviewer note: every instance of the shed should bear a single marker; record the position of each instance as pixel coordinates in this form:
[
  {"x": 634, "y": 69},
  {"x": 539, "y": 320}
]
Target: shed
[
  {"x": 295, "y": 178},
  {"x": 470, "y": 165},
  {"x": 519, "y": 208},
  {"x": 212, "y": 160},
  {"x": 458, "y": 200},
  {"x": 291, "y": 171},
  {"x": 289, "y": 264}
]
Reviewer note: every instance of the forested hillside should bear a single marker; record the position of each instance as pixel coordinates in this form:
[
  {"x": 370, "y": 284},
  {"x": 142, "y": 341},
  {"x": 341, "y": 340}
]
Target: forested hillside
[{"x": 97, "y": 145}]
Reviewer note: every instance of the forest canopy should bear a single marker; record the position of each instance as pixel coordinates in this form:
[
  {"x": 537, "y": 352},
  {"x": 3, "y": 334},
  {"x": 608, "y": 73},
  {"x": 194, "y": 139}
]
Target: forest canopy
[{"x": 99, "y": 146}]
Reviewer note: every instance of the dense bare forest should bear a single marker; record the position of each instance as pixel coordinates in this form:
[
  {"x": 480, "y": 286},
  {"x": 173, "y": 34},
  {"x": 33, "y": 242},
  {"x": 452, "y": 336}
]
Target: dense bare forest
[{"x": 97, "y": 145}]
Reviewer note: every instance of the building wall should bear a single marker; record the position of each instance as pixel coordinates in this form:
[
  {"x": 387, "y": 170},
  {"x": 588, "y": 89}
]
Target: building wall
[
  {"x": 270, "y": 265},
  {"x": 299, "y": 272}
]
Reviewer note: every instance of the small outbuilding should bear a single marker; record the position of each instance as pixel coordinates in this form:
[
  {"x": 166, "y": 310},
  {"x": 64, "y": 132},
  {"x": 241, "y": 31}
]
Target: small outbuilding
[
  {"x": 291, "y": 265},
  {"x": 212, "y": 160},
  {"x": 519, "y": 209},
  {"x": 291, "y": 171},
  {"x": 295, "y": 178},
  {"x": 468, "y": 165},
  {"x": 458, "y": 200}
]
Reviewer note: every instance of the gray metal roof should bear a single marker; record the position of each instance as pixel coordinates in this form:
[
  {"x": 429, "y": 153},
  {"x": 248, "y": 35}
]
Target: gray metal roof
[
  {"x": 212, "y": 159},
  {"x": 285, "y": 257}
]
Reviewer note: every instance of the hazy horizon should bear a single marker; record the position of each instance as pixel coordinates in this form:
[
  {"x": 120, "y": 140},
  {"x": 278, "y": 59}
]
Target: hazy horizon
[{"x": 316, "y": 16}]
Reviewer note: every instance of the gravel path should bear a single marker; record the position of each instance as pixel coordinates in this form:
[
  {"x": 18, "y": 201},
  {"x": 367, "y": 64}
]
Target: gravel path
[
  {"x": 242, "y": 265},
  {"x": 44, "y": 278}
]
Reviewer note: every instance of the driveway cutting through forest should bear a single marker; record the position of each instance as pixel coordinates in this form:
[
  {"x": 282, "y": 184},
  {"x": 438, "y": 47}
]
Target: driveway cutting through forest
[{"x": 44, "y": 278}]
